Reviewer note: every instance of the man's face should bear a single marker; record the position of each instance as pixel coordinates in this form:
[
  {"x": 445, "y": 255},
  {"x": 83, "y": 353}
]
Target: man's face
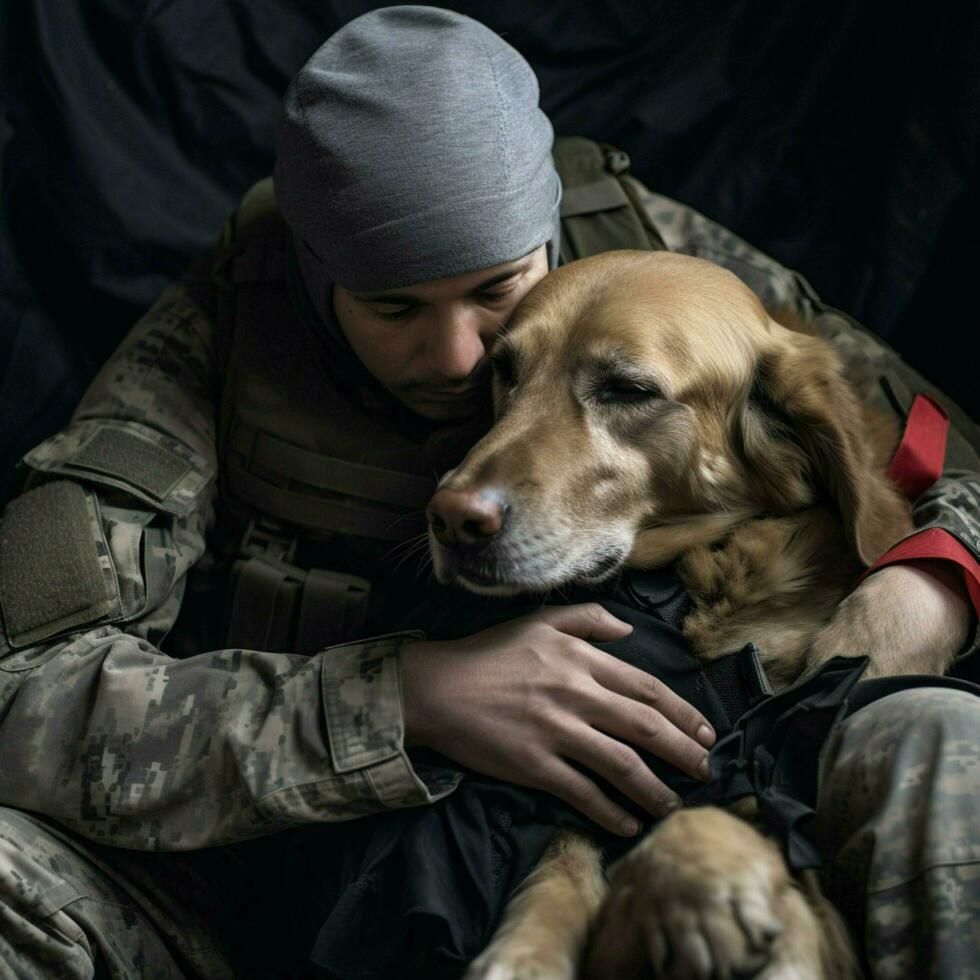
[{"x": 428, "y": 343}]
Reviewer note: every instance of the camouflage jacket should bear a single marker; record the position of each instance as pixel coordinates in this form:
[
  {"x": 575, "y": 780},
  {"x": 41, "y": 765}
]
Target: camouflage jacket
[{"x": 102, "y": 731}]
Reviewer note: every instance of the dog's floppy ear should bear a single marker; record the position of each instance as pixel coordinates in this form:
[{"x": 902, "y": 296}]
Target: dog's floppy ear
[{"x": 802, "y": 428}]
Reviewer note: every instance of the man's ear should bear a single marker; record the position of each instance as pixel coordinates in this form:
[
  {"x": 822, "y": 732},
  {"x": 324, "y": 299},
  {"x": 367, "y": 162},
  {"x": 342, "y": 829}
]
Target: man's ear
[{"x": 802, "y": 430}]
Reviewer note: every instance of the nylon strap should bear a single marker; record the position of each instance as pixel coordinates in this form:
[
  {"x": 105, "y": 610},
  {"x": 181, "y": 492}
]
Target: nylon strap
[
  {"x": 253, "y": 608},
  {"x": 934, "y": 543},
  {"x": 320, "y": 513},
  {"x": 739, "y": 681},
  {"x": 600, "y": 195},
  {"x": 333, "y": 609},
  {"x": 738, "y": 678},
  {"x": 917, "y": 464},
  {"x": 918, "y": 460},
  {"x": 597, "y": 211},
  {"x": 280, "y": 607},
  {"x": 263, "y": 450}
]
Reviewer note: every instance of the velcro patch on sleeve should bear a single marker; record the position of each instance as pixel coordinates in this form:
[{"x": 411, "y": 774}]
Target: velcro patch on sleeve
[
  {"x": 153, "y": 467},
  {"x": 55, "y": 569},
  {"x": 125, "y": 455}
]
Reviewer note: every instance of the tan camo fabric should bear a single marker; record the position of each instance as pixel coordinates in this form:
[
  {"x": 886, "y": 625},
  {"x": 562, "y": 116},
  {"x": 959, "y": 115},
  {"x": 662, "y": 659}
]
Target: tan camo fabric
[{"x": 122, "y": 745}]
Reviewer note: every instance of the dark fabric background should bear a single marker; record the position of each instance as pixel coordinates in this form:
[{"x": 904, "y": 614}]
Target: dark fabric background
[{"x": 838, "y": 135}]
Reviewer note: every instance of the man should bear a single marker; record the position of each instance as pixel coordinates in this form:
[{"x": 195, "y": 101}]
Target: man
[{"x": 341, "y": 361}]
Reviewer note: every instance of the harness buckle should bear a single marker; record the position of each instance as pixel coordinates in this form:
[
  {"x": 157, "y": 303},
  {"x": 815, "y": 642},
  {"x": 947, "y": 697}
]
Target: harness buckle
[{"x": 266, "y": 539}]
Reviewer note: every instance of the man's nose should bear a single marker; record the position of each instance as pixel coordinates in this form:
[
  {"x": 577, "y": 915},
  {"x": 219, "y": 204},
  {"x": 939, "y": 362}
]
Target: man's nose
[
  {"x": 457, "y": 345},
  {"x": 465, "y": 519}
]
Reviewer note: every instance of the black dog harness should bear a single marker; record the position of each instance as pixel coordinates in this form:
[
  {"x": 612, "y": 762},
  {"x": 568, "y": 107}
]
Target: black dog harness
[{"x": 423, "y": 889}]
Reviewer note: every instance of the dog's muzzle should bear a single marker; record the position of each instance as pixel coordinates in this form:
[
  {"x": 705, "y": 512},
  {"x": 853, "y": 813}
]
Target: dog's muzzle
[{"x": 464, "y": 526}]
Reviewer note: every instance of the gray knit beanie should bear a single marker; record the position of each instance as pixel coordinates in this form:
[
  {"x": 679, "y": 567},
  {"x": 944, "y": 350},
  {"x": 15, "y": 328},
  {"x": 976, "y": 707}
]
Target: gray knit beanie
[{"x": 411, "y": 147}]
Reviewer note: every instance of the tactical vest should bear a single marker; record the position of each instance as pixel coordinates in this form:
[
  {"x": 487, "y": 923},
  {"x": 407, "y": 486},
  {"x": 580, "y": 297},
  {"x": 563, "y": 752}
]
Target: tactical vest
[{"x": 304, "y": 459}]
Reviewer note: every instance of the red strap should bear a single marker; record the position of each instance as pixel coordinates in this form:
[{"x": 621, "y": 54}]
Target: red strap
[
  {"x": 935, "y": 543},
  {"x": 916, "y": 465},
  {"x": 918, "y": 461}
]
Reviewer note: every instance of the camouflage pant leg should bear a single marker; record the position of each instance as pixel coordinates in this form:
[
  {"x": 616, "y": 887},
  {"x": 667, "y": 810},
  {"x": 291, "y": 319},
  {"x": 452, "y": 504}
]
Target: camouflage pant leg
[
  {"x": 897, "y": 816},
  {"x": 58, "y": 909},
  {"x": 245, "y": 911}
]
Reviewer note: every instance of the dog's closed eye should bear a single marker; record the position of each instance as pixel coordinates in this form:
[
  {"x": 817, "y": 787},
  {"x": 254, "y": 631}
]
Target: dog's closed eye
[{"x": 623, "y": 391}]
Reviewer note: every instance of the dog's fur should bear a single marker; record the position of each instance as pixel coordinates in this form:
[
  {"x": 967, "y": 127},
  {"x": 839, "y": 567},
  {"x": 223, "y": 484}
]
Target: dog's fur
[{"x": 650, "y": 410}]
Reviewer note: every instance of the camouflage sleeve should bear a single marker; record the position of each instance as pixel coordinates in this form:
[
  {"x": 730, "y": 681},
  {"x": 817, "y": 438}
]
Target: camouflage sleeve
[
  {"x": 879, "y": 374},
  {"x": 101, "y": 730}
]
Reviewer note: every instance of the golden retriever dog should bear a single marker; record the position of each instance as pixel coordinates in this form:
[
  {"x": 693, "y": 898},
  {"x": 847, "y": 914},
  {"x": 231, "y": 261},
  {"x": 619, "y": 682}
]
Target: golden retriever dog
[{"x": 650, "y": 410}]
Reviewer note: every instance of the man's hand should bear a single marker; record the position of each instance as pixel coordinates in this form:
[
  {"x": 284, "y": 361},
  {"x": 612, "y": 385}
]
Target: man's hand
[
  {"x": 517, "y": 700},
  {"x": 911, "y": 618}
]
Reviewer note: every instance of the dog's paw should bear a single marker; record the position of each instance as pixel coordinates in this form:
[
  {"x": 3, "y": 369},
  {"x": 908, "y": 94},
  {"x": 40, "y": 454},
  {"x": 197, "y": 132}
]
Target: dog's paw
[
  {"x": 503, "y": 961},
  {"x": 697, "y": 899}
]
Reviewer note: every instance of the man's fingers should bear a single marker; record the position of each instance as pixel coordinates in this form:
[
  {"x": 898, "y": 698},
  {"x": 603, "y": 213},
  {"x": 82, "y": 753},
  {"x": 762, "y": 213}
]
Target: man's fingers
[
  {"x": 630, "y": 682},
  {"x": 588, "y": 621},
  {"x": 619, "y": 765},
  {"x": 579, "y": 791},
  {"x": 650, "y": 729}
]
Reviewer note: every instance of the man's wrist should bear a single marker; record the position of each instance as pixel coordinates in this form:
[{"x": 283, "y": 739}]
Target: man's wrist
[{"x": 409, "y": 657}]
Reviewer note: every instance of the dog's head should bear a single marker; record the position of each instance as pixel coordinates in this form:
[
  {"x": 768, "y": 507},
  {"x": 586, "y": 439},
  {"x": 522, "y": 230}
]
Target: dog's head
[{"x": 646, "y": 403}]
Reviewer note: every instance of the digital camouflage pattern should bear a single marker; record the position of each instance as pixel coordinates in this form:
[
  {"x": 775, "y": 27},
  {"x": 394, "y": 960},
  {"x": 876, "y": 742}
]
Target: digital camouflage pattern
[
  {"x": 951, "y": 503},
  {"x": 59, "y": 905},
  {"x": 897, "y": 816},
  {"x": 182, "y": 754},
  {"x": 225, "y": 913},
  {"x": 125, "y": 745}
]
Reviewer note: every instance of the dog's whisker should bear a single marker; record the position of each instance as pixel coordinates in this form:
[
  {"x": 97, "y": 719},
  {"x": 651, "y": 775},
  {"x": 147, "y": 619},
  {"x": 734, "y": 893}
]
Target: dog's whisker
[
  {"x": 411, "y": 549},
  {"x": 407, "y": 543},
  {"x": 423, "y": 565},
  {"x": 407, "y": 557}
]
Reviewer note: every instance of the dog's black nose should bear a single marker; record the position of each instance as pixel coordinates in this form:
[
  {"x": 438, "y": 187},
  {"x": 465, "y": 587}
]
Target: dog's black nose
[{"x": 464, "y": 519}]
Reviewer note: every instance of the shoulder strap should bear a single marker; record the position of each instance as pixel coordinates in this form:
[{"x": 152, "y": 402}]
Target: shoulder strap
[
  {"x": 254, "y": 239},
  {"x": 599, "y": 208},
  {"x": 251, "y": 249}
]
